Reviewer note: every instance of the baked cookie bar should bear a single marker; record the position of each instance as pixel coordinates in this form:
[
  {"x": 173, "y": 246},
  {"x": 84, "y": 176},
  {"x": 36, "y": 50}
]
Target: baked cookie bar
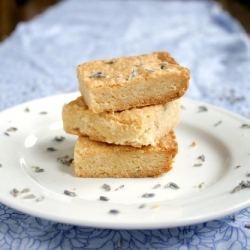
[
  {"x": 99, "y": 159},
  {"x": 129, "y": 82},
  {"x": 136, "y": 126}
]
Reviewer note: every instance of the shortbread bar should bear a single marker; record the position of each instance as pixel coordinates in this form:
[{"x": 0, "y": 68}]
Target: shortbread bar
[
  {"x": 99, "y": 159},
  {"x": 128, "y": 82},
  {"x": 136, "y": 127}
]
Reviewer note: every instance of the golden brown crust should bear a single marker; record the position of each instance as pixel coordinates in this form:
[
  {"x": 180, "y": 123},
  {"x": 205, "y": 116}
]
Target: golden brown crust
[
  {"x": 165, "y": 57},
  {"x": 129, "y": 82},
  {"x": 98, "y": 159}
]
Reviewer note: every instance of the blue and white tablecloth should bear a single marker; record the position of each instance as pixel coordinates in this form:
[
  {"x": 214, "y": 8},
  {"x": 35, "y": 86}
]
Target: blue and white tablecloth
[{"x": 40, "y": 58}]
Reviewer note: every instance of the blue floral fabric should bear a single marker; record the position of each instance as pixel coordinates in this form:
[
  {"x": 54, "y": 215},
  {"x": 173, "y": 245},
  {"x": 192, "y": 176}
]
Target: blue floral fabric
[
  {"x": 21, "y": 231},
  {"x": 40, "y": 57}
]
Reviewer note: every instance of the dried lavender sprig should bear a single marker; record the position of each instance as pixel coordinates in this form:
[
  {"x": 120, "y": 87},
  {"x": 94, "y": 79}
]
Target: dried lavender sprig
[
  {"x": 29, "y": 196},
  {"x": 246, "y": 184},
  {"x": 51, "y": 149},
  {"x": 59, "y": 138},
  {"x": 156, "y": 186},
  {"x": 143, "y": 205},
  {"x": 202, "y": 109},
  {"x": 120, "y": 187},
  {"x": 40, "y": 198},
  {"x": 106, "y": 187},
  {"x": 201, "y": 157},
  {"x": 114, "y": 211},
  {"x": 245, "y": 126},
  {"x": 197, "y": 164},
  {"x": 132, "y": 74},
  {"x": 69, "y": 193},
  {"x": 104, "y": 198},
  {"x": 217, "y": 123},
  {"x": 11, "y": 129},
  {"x": 173, "y": 185},
  {"x": 38, "y": 169},
  {"x": 14, "y": 192},
  {"x": 119, "y": 243},
  {"x": 236, "y": 189},
  {"x": 110, "y": 61},
  {"x": 201, "y": 185},
  {"x": 25, "y": 190},
  {"x": 98, "y": 74},
  {"x": 65, "y": 160},
  {"x": 242, "y": 184},
  {"x": 148, "y": 195},
  {"x": 163, "y": 65}
]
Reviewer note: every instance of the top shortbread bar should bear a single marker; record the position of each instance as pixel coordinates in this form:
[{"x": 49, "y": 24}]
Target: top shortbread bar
[{"x": 128, "y": 82}]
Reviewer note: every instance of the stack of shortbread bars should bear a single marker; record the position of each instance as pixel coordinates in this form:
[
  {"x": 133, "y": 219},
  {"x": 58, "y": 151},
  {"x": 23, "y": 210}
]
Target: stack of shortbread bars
[{"x": 125, "y": 115}]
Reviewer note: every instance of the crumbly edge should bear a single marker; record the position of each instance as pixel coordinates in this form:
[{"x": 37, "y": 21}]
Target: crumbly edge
[{"x": 135, "y": 127}]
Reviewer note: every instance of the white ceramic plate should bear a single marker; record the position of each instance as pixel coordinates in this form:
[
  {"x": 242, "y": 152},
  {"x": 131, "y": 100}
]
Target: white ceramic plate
[{"x": 218, "y": 136}]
